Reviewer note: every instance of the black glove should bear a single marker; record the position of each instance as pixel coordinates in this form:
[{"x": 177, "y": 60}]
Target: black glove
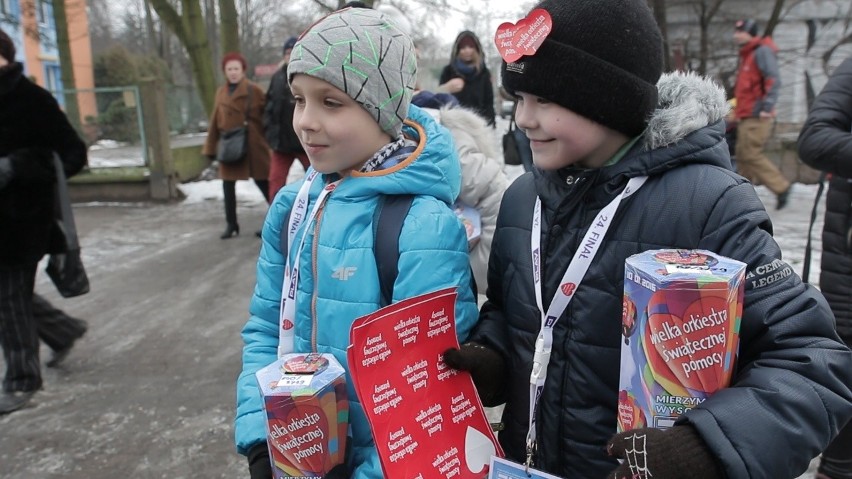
[
  {"x": 674, "y": 453},
  {"x": 486, "y": 366},
  {"x": 258, "y": 460},
  {"x": 33, "y": 165},
  {"x": 337, "y": 472}
]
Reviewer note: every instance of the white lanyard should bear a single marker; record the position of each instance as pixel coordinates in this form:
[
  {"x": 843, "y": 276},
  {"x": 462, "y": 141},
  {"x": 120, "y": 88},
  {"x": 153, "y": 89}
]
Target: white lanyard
[
  {"x": 287, "y": 316},
  {"x": 570, "y": 281}
]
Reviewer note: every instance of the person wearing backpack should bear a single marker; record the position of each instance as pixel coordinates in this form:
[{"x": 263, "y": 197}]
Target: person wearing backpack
[
  {"x": 366, "y": 145},
  {"x": 825, "y": 143}
]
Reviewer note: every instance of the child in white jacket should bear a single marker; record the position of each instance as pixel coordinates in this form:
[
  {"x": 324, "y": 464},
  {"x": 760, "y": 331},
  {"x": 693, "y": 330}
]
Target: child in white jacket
[{"x": 483, "y": 180}]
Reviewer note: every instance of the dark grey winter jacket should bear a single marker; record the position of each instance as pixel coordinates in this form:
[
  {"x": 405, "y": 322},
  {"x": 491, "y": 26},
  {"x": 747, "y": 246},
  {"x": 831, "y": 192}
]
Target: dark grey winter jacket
[
  {"x": 790, "y": 393},
  {"x": 826, "y": 143},
  {"x": 278, "y": 115}
]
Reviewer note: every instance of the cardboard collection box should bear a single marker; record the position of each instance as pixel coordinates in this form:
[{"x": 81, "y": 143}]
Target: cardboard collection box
[
  {"x": 680, "y": 325},
  {"x": 307, "y": 414},
  {"x": 472, "y": 221}
]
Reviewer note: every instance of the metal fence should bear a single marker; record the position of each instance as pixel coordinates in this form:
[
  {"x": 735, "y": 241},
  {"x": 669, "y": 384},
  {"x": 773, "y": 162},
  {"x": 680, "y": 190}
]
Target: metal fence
[{"x": 110, "y": 121}]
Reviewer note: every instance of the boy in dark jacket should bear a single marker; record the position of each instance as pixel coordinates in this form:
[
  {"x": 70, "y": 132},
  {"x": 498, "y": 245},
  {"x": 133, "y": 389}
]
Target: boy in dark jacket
[
  {"x": 826, "y": 143},
  {"x": 605, "y": 127}
]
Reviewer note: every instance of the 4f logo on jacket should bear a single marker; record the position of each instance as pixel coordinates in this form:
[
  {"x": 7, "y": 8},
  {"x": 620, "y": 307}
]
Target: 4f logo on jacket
[{"x": 343, "y": 273}]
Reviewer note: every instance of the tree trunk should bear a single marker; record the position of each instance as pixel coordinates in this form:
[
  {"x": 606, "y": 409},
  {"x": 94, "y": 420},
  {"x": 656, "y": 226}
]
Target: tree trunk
[
  {"x": 190, "y": 30},
  {"x": 66, "y": 64},
  {"x": 774, "y": 18},
  {"x": 229, "y": 26},
  {"x": 659, "y": 8},
  {"x": 151, "y": 40}
]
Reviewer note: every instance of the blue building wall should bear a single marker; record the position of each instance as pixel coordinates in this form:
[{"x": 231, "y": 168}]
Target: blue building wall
[{"x": 11, "y": 23}]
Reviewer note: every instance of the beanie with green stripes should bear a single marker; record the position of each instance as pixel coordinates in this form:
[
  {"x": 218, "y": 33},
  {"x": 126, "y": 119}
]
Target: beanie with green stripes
[{"x": 364, "y": 54}]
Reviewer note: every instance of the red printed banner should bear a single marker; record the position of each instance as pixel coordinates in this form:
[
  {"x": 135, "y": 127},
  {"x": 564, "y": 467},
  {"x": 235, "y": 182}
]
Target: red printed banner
[{"x": 426, "y": 417}]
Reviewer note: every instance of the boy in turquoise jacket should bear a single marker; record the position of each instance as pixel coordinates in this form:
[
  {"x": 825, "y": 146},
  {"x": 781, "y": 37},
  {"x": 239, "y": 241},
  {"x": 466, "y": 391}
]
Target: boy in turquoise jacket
[{"x": 352, "y": 76}]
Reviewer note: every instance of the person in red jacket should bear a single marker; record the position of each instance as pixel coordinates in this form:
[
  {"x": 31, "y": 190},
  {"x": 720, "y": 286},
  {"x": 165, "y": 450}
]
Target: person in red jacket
[{"x": 756, "y": 92}]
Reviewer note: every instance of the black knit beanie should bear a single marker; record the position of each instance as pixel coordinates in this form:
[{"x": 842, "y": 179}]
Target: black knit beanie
[
  {"x": 7, "y": 47},
  {"x": 602, "y": 61}
]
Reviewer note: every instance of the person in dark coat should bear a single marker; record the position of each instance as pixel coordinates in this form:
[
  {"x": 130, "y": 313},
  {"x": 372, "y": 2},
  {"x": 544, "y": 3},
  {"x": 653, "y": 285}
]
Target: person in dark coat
[
  {"x": 230, "y": 112},
  {"x": 825, "y": 143},
  {"x": 278, "y": 126},
  {"x": 600, "y": 117},
  {"x": 467, "y": 77},
  {"x": 32, "y": 128}
]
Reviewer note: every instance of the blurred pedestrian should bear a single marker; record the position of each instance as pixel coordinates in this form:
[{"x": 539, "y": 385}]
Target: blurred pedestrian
[
  {"x": 32, "y": 129},
  {"x": 232, "y": 110},
  {"x": 278, "y": 126},
  {"x": 467, "y": 78},
  {"x": 522, "y": 142},
  {"x": 756, "y": 92},
  {"x": 825, "y": 142}
]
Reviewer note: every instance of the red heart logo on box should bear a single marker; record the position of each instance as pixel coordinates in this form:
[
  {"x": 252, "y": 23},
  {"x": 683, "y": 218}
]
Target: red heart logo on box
[
  {"x": 299, "y": 439},
  {"x": 514, "y": 40},
  {"x": 630, "y": 415},
  {"x": 689, "y": 348}
]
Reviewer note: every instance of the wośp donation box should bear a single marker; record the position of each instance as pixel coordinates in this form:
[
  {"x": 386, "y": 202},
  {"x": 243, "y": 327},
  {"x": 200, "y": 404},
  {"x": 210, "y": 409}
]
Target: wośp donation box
[
  {"x": 307, "y": 414},
  {"x": 680, "y": 325}
]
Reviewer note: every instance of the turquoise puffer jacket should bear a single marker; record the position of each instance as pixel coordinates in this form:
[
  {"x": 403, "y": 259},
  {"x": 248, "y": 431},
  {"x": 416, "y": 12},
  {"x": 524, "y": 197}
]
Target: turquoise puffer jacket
[{"x": 433, "y": 255}]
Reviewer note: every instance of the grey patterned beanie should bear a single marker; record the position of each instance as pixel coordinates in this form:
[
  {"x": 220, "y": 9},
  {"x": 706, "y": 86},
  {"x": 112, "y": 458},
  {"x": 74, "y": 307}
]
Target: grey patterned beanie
[{"x": 361, "y": 52}]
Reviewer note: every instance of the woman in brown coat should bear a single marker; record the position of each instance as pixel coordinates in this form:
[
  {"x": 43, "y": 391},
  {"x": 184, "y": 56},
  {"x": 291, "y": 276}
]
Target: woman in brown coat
[{"x": 229, "y": 111}]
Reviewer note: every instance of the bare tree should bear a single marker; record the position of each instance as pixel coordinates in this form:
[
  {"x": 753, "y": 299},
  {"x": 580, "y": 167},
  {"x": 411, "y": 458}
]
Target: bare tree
[
  {"x": 190, "y": 28},
  {"x": 229, "y": 26},
  {"x": 774, "y": 18},
  {"x": 659, "y": 8},
  {"x": 66, "y": 64}
]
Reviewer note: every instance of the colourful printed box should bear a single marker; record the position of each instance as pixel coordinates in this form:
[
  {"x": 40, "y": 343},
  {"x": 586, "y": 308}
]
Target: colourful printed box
[
  {"x": 680, "y": 324},
  {"x": 307, "y": 414}
]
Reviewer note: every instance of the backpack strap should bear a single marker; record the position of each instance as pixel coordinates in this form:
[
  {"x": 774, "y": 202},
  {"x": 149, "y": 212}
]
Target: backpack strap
[{"x": 391, "y": 213}]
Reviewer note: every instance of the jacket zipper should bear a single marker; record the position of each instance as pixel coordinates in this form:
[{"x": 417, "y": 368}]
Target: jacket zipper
[{"x": 314, "y": 269}]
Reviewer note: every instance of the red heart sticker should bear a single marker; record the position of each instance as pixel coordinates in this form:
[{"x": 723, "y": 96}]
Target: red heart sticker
[
  {"x": 630, "y": 415},
  {"x": 690, "y": 350},
  {"x": 515, "y": 40}
]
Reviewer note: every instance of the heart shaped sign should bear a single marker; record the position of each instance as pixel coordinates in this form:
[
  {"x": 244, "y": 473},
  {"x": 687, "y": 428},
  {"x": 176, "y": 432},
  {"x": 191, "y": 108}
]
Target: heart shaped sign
[
  {"x": 692, "y": 342},
  {"x": 300, "y": 438},
  {"x": 515, "y": 40},
  {"x": 630, "y": 415},
  {"x": 478, "y": 450}
]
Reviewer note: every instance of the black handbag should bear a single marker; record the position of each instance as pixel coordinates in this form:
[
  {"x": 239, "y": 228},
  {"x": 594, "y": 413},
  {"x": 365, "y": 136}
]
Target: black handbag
[
  {"x": 65, "y": 268},
  {"x": 511, "y": 154},
  {"x": 233, "y": 143}
]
